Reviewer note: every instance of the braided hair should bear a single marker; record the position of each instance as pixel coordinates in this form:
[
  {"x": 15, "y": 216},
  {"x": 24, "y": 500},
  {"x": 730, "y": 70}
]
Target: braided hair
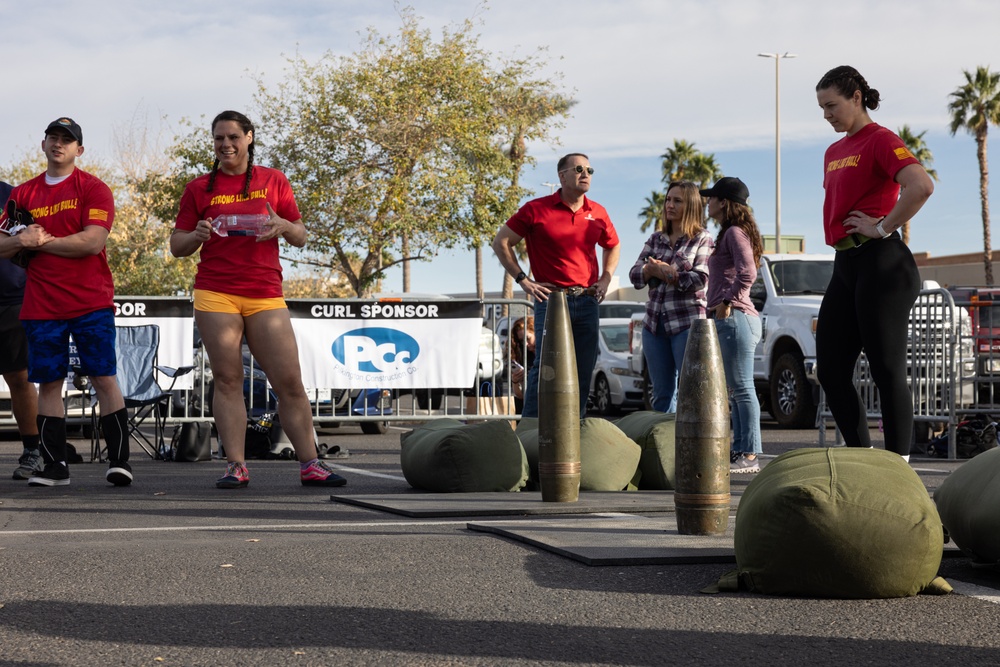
[
  {"x": 247, "y": 128},
  {"x": 846, "y": 80}
]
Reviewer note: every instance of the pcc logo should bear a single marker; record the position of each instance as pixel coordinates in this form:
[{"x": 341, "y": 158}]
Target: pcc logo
[{"x": 375, "y": 350}]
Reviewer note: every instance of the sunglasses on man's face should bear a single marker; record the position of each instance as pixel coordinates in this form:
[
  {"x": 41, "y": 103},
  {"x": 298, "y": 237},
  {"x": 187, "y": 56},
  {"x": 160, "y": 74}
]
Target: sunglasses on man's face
[{"x": 579, "y": 169}]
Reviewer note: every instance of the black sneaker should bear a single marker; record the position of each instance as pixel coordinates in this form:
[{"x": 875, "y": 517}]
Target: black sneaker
[
  {"x": 54, "y": 474},
  {"x": 119, "y": 473}
]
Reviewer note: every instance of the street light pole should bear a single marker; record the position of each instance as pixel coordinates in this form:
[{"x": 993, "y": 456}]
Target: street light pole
[
  {"x": 777, "y": 143},
  {"x": 552, "y": 187}
]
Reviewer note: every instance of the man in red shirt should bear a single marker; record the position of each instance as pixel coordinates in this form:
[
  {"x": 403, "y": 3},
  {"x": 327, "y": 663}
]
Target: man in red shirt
[
  {"x": 561, "y": 232},
  {"x": 69, "y": 291}
]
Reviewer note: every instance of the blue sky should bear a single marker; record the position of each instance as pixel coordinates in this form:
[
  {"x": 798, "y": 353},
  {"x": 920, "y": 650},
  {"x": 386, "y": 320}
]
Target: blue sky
[{"x": 644, "y": 73}]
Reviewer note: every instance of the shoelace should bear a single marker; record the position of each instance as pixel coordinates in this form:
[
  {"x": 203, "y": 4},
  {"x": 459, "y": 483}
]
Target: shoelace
[{"x": 234, "y": 470}]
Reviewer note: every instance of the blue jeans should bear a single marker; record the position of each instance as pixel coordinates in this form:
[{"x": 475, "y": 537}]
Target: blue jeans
[
  {"x": 738, "y": 337},
  {"x": 585, "y": 321},
  {"x": 664, "y": 354}
]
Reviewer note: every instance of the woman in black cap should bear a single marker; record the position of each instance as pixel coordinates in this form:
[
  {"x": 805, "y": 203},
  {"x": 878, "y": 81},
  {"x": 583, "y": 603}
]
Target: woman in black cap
[
  {"x": 733, "y": 269},
  {"x": 873, "y": 185}
]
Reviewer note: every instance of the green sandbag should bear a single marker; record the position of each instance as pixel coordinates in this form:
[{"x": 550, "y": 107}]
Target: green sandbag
[
  {"x": 448, "y": 456},
  {"x": 839, "y": 523},
  {"x": 608, "y": 457},
  {"x": 968, "y": 500},
  {"x": 654, "y": 433},
  {"x": 527, "y": 433}
]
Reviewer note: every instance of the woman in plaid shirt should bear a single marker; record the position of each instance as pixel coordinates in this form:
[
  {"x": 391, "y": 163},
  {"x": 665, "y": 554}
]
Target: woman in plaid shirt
[{"x": 674, "y": 263}]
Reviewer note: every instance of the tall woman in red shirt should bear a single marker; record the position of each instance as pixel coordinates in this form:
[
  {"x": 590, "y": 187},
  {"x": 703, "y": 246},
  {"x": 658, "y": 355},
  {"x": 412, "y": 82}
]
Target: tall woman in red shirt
[
  {"x": 873, "y": 185},
  {"x": 237, "y": 293}
]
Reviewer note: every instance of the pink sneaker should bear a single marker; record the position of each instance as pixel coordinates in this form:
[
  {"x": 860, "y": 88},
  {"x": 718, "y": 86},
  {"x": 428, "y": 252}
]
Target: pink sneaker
[
  {"x": 320, "y": 474},
  {"x": 237, "y": 476}
]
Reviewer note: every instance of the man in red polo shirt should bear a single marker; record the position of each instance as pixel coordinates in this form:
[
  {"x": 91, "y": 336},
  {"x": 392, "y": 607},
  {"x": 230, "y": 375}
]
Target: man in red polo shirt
[{"x": 562, "y": 232}]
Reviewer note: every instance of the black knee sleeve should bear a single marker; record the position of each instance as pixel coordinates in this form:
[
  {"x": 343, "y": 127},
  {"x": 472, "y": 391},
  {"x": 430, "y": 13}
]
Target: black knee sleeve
[
  {"x": 51, "y": 438},
  {"x": 114, "y": 427}
]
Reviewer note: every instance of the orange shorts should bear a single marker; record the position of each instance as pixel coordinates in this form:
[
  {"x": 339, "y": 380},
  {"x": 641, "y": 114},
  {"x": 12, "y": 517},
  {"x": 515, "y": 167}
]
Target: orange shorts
[{"x": 220, "y": 302}]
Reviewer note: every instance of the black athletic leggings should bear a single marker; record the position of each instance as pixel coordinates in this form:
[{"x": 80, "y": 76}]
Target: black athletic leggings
[{"x": 867, "y": 307}]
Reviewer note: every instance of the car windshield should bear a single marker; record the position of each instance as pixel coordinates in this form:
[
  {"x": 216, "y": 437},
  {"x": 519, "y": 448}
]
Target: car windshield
[
  {"x": 615, "y": 337},
  {"x": 801, "y": 277}
]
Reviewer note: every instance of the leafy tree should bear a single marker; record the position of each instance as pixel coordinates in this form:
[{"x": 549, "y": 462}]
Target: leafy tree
[
  {"x": 915, "y": 144},
  {"x": 528, "y": 110},
  {"x": 29, "y": 165},
  {"x": 974, "y": 107},
  {"x": 137, "y": 245},
  {"x": 386, "y": 147}
]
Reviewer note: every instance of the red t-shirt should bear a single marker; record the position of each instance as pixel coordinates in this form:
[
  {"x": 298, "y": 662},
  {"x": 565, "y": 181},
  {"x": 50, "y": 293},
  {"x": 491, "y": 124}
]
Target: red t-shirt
[
  {"x": 859, "y": 173},
  {"x": 62, "y": 288},
  {"x": 561, "y": 242},
  {"x": 238, "y": 264}
]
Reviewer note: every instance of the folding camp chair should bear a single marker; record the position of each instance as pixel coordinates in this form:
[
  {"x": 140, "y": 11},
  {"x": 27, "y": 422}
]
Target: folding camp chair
[{"x": 136, "y": 352}]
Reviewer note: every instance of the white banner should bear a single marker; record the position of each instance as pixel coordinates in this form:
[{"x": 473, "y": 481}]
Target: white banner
[
  {"x": 175, "y": 317},
  {"x": 387, "y": 345}
]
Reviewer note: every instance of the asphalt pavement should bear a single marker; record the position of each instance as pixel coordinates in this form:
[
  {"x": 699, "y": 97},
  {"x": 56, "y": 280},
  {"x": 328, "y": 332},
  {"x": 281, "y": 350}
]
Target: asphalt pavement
[{"x": 172, "y": 571}]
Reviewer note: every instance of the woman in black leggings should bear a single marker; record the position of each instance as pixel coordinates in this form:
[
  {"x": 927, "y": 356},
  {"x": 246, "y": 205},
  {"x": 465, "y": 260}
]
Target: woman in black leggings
[{"x": 873, "y": 185}]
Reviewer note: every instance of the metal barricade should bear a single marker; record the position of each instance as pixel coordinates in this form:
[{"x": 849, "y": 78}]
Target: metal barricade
[
  {"x": 940, "y": 370},
  {"x": 980, "y": 342},
  {"x": 490, "y": 398}
]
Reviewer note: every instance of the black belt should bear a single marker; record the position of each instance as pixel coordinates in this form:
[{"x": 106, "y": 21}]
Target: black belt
[{"x": 577, "y": 291}]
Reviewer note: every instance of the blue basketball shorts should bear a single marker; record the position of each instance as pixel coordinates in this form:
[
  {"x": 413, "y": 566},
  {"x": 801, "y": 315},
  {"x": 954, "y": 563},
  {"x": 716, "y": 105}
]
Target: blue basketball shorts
[{"x": 48, "y": 346}]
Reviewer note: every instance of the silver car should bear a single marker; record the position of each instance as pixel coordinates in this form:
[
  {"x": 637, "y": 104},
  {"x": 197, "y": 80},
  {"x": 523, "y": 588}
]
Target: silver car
[{"x": 614, "y": 385}]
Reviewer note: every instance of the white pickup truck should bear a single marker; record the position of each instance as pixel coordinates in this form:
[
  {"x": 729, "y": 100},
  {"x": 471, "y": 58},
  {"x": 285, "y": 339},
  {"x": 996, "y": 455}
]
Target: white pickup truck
[{"x": 787, "y": 294}]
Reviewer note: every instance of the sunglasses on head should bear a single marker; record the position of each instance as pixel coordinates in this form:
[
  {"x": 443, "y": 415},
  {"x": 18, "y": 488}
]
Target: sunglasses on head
[{"x": 579, "y": 169}]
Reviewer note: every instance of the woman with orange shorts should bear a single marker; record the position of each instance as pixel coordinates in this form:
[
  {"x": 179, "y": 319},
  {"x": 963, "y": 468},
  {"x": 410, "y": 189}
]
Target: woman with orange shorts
[{"x": 237, "y": 293}]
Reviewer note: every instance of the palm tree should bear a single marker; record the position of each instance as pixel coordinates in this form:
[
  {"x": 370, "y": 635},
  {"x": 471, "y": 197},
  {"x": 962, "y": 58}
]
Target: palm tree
[
  {"x": 677, "y": 159},
  {"x": 974, "y": 107},
  {"x": 918, "y": 147},
  {"x": 681, "y": 162},
  {"x": 652, "y": 214},
  {"x": 704, "y": 170},
  {"x": 684, "y": 162}
]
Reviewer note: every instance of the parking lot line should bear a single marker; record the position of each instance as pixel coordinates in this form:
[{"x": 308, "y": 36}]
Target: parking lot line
[
  {"x": 359, "y": 471},
  {"x": 974, "y": 591},
  {"x": 230, "y": 527}
]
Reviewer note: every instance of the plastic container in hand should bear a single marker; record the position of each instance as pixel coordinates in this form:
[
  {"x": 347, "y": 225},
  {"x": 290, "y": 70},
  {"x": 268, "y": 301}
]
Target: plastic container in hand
[{"x": 240, "y": 224}]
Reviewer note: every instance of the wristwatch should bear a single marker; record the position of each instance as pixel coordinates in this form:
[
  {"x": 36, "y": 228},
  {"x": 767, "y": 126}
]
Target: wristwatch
[
  {"x": 881, "y": 230},
  {"x": 521, "y": 275}
]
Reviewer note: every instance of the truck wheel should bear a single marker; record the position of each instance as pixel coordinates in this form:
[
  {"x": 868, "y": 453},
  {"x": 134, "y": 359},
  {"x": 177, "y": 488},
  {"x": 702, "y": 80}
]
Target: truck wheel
[
  {"x": 791, "y": 394},
  {"x": 647, "y": 389},
  {"x": 374, "y": 428}
]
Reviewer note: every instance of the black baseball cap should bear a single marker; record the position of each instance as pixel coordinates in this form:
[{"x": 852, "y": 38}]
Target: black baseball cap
[
  {"x": 730, "y": 188},
  {"x": 68, "y": 125}
]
